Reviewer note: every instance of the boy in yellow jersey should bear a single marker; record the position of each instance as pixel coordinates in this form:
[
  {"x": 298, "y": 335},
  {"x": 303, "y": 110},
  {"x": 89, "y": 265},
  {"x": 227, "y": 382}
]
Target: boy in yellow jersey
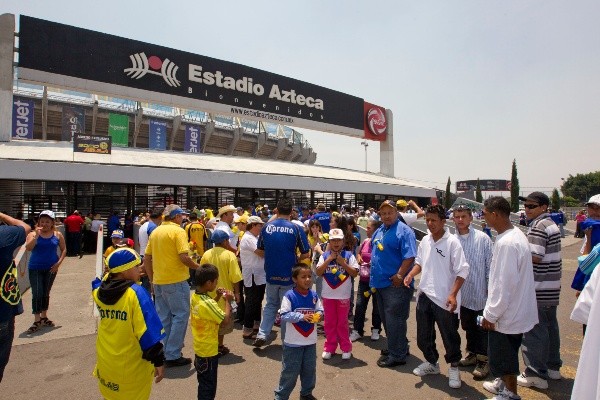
[
  {"x": 207, "y": 316},
  {"x": 128, "y": 348}
]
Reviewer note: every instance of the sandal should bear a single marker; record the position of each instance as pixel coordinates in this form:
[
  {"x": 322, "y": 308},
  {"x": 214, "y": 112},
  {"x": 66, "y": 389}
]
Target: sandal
[
  {"x": 251, "y": 335},
  {"x": 223, "y": 350},
  {"x": 34, "y": 328},
  {"x": 47, "y": 322}
]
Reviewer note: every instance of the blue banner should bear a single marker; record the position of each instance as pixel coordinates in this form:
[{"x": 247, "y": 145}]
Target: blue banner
[
  {"x": 22, "y": 123},
  {"x": 192, "y": 139},
  {"x": 157, "y": 137}
]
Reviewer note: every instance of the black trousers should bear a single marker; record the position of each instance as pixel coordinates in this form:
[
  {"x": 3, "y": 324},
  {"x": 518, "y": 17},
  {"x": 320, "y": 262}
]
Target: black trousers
[
  {"x": 254, "y": 298},
  {"x": 477, "y": 338},
  {"x": 206, "y": 372}
]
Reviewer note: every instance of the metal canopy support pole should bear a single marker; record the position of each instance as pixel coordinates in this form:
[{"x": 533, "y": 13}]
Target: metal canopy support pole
[
  {"x": 386, "y": 148},
  {"x": 45, "y": 114},
  {"x": 7, "y": 49}
]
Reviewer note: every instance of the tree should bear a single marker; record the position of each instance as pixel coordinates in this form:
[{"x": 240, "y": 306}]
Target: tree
[
  {"x": 569, "y": 201},
  {"x": 555, "y": 201},
  {"x": 514, "y": 188},
  {"x": 448, "y": 197},
  {"x": 478, "y": 195},
  {"x": 581, "y": 186}
]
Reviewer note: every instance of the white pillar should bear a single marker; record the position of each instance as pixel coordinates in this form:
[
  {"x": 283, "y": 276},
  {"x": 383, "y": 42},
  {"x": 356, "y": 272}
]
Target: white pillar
[
  {"x": 386, "y": 148},
  {"x": 7, "y": 46}
]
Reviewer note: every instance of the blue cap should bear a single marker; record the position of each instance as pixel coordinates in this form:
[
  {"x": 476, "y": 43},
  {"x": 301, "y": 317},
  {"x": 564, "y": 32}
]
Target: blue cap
[
  {"x": 117, "y": 233},
  {"x": 219, "y": 236}
]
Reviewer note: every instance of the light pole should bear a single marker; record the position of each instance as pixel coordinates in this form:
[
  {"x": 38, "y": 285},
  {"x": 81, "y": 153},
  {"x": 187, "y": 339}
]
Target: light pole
[{"x": 364, "y": 143}]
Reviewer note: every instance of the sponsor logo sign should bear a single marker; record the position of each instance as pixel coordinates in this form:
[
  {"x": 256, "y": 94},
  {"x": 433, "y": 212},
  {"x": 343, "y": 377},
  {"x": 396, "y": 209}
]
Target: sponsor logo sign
[
  {"x": 94, "y": 144},
  {"x": 488, "y": 185},
  {"x": 73, "y": 122},
  {"x": 157, "y": 135},
  {"x": 118, "y": 129},
  {"x": 375, "y": 122},
  {"x": 22, "y": 123},
  {"x": 192, "y": 139}
]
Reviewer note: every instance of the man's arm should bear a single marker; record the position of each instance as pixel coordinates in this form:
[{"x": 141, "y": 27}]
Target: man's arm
[
  {"x": 8, "y": 220},
  {"x": 148, "y": 266},
  {"x": 416, "y": 208},
  {"x": 187, "y": 260}
]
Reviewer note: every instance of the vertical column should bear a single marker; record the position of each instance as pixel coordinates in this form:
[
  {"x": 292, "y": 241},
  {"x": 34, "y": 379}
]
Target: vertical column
[
  {"x": 386, "y": 149},
  {"x": 7, "y": 47}
]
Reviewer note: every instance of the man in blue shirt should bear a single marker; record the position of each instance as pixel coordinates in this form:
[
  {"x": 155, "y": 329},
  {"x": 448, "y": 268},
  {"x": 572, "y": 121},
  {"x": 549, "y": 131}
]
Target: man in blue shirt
[
  {"x": 394, "y": 251},
  {"x": 323, "y": 217},
  {"x": 11, "y": 238},
  {"x": 279, "y": 240}
]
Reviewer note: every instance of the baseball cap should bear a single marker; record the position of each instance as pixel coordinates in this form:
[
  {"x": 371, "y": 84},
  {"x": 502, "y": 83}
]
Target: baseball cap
[
  {"x": 122, "y": 259},
  {"x": 387, "y": 203},
  {"x": 401, "y": 203},
  {"x": 336, "y": 234},
  {"x": 321, "y": 207},
  {"x": 226, "y": 209},
  {"x": 173, "y": 210},
  {"x": 255, "y": 220},
  {"x": 595, "y": 199},
  {"x": 117, "y": 233},
  {"x": 219, "y": 236},
  {"x": 538, "y": 197},
  {"x": 48, "y": 213}
]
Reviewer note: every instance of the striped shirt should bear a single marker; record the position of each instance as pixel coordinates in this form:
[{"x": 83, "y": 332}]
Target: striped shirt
[
  {"x": 478, "y": 252},
  {"x": 544, "y": 242}
]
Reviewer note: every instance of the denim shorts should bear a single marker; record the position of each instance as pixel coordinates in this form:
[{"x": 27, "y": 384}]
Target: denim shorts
[{"x": 503, "y": 353}]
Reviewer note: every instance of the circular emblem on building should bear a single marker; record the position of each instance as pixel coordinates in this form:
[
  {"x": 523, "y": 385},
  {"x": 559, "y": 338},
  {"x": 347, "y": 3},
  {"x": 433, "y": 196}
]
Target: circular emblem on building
[{"x": 376, "y": 121}]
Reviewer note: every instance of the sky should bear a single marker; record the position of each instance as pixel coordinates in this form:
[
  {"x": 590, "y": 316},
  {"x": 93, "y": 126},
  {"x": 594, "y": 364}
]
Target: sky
[{"x": 472, "y": 84}]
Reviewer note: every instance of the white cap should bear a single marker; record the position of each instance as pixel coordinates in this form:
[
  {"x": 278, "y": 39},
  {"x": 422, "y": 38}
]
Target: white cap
[
  {"x": 336, "y": 234},
  {"x": 48, "y": 213},
  {"x": 595, "y": 199}
]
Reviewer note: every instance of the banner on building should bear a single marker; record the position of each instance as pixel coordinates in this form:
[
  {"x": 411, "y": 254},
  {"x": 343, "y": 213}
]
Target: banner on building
[
  {"x": 94, "y": 144},
  {"x": 192, "y": 139},
  {"x": 73, "y": 122},
  {"x": 118, "y": 129},
  {"x": 157, "y": 135},
  {"x": 486, "y": 185},
  {"x": 22, "y": 123}
]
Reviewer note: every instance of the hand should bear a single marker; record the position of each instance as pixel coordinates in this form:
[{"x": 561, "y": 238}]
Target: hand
[
  {"x": 228, "y": 295},
  {"x": 159, "y": 373},
  {"x": 340, "y": 260},
  {"x": 308, "y": 317},
  {"x": 487, "y": 325},
  {"x": 451, "y": 303},
  {"x": 407, "y": 280},
  {"x": 396, "y": 280},
  {"x": 54, "y": 268}
]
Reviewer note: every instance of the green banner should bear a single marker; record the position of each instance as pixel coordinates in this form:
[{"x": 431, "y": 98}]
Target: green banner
[{"x": 118, "y": 129}]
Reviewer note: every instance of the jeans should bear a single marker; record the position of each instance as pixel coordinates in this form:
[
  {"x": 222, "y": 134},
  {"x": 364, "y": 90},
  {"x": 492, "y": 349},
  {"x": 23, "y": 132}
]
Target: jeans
[
  {"x": 73, "y": 243},
  {"x": 172, "y": 303},
  {"x": 296, "y": 361},
  {"x": 477, "y": 338},
  {"x": 336, "y": 325},
  {"x": 254, "y": 297},
  {"x": 394, "y": 307},
  {"x": 7, "y": 334},
  {"x": 541, "y": 345},
  {"x": 41, "y": 284},
  {"x": 361, "y": 309},
  {"x": 274, "y": 294},
  {"x": 206, "y": 373},
  {"x": 429, "y": 313}
]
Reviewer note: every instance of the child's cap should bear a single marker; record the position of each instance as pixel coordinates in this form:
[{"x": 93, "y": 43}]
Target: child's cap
[
  {"x": 336, "y": 234},
  {"x": 117, "y": 233},
  {"x": 219, "y": 236},
  {"x": 121, "y": 260},
  {"x": 47, "y": 213}
]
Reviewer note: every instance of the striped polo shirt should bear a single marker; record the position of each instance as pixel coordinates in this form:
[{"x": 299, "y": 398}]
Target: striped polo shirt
[
  {"x": 544, "y": 242},
  {"x": 478, "y": 252}
]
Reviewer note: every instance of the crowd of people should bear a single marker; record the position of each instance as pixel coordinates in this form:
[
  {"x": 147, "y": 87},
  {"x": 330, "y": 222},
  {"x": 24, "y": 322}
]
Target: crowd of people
[{"x": 303, "y": 264}]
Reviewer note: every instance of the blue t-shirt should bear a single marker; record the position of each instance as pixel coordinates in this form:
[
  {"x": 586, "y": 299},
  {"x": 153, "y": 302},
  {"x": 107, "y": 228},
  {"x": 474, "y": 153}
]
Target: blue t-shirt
[
  {"x": 323, "y": 218},
  {"x": 399, "y": 243},
  {"x": 151, "y": 226},
  {"x": 11, "y": 238},
  {"x": 580, "y": 279},
  {"x": 45, "y": 253},
  {"x": 279, "y": 239}
]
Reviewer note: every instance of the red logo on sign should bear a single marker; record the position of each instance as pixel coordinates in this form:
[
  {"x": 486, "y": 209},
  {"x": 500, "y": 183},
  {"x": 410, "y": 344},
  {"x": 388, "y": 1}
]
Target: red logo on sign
[{"x": 376, "y": 121}]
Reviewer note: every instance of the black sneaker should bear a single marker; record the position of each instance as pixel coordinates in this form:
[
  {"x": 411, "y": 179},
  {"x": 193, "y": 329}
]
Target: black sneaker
[
  {"x": 259, "y": 342},
  {"x": 307, "y": 397},
  {"x": 180, "y": 362}
]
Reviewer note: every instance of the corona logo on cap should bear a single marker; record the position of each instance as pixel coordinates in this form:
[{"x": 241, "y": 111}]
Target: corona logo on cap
[
  {"x": 142, "y": 65},
  {"x": 376, "y": 121}
]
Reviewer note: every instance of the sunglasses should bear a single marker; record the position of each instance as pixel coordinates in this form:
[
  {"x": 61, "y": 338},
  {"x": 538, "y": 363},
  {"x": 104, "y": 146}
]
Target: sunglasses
[{"x": 531, "y": 206}]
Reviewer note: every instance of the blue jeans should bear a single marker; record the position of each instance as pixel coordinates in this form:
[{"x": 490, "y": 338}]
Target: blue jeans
[
  {"x": 361, "y": 309},
  {"x": 7, "y": 334},
  {"x": 206, "y": 373},
  {"x": 172, "y": 303},
  {"x": 541, "y": 345},
  {"x": 297, "y": 361},
  {"x": 41, "y": 284},
  {"x": 394, "y": 307},
  {"x": 274, "y": 295}
]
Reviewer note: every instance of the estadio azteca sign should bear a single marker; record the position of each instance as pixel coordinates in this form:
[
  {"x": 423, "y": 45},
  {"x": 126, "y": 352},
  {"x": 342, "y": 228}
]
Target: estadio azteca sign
[{"x": 80, "y": 59}]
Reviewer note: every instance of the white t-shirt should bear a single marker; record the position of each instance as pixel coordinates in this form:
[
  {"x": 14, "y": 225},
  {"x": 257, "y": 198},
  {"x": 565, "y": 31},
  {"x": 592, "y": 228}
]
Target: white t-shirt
[
  {"x": 409, "y": 218},
  {"x": 511, "y": 302},
  {"x": 252, "y": 264},
  {"x": 96, "y": 225},
  {"x": 332, "y": 288},
  {"x": 233, "y": 238},
  {"x": 143, "y": 237},
  {"x": 441, "y": 263}
]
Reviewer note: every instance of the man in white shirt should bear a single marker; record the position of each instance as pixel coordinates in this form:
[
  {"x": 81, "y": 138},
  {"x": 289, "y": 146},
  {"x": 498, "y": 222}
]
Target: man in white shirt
[
  {"x": 511, "y": 307},
  {"x": 225, "y": 220},
  {"x": 409, "y": 217},
  {"x": 444, "y": 269}
]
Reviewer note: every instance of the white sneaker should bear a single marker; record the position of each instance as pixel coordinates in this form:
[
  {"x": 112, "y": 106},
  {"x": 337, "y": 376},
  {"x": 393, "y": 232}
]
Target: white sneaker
[
  {"x": 495, "y": 386},
  {"x": 554, "y": 374},
  {"x": 346, "y": 356},
  {"x": 454, "y": 377},
  {"x": 427, "y": 368},
  {"x": 529, "y": 381},
  {"x": 506, "y": 394},
  {"x": 374, "y": 334},
  {"x": 354, "y": 336},
  {"x": 326, "y": 355}
]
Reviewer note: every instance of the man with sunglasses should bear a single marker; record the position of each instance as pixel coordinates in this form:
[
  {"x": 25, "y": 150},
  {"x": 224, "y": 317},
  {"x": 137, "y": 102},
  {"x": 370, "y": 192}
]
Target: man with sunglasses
[{"x": 541, "y": 345}]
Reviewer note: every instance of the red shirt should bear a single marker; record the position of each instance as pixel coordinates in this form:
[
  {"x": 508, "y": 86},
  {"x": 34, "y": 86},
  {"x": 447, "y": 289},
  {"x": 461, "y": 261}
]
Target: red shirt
[{"x": 73, "y": 223}]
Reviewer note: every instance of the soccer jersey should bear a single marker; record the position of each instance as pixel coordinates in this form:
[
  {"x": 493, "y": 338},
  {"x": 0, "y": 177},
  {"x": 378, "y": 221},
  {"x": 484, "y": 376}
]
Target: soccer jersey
[
  {"x": 337, "y": 285},
  {"x": 229, "y": 269},
  {"x": 293, "y": 308},
  {"x": 196, "y": 232},
  {"x": 165, "y": 245},
  {"x": 206, "y": 316}
]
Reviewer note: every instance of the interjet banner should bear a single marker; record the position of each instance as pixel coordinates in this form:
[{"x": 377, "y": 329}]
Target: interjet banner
[
  {"x": 157, "y": 136},
  {"x": 192, "y": 139},
  {"x": 22, "y": 123},
  {"x": 118, "y": 129},
  {"x": 96, "y": 62},
  {"x": 73, "y": 122}
]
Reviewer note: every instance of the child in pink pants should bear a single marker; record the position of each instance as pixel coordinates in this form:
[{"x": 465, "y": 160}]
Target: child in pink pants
[{"x": 336, "y": 266}]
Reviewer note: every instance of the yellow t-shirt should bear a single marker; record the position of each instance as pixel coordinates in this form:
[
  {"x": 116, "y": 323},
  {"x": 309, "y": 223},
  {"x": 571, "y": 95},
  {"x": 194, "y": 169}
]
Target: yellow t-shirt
[
  {"x": 109, "y": 251},
  {"x": 229, "y": 269},
  {"x": 196, "y": 232},
  {"x": 165, "y": 245},
  {"x": 206, "y": 316}
]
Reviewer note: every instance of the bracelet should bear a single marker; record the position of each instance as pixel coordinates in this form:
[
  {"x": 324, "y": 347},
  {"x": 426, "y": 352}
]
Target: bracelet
[{"x": 400, "y": 277}]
